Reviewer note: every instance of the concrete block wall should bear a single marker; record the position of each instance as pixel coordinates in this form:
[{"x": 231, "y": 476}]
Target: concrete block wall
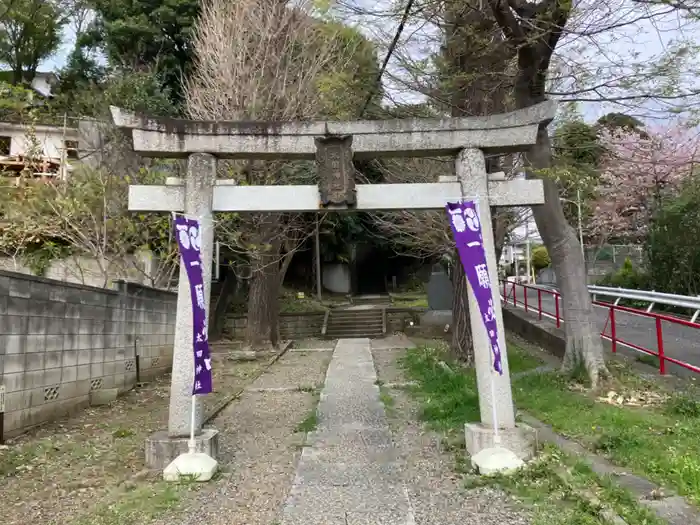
[{"x": 59, "y": 341}]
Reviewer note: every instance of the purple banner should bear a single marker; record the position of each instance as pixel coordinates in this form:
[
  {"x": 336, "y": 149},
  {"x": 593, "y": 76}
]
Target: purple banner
[
  {"x": 189, "y": 239},
  {"x": 464, "y": 219}
]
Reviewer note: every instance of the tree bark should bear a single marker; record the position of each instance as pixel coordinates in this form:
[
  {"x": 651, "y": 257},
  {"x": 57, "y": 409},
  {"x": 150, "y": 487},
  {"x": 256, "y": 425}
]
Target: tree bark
[
  {"x": 226, "y": 296},
  {"x": 462, "y": 344},
  {"x": 471, "y": 55},
  {"x": 583, "y": 344},
  {"x": 533, "y": 35},
  {"x": 257, "y": 332},
  {"x": 500, "y": 223}
]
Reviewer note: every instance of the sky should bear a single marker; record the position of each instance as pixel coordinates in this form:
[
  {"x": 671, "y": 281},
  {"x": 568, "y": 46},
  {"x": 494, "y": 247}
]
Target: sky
[{"x": 611, "y": 56}]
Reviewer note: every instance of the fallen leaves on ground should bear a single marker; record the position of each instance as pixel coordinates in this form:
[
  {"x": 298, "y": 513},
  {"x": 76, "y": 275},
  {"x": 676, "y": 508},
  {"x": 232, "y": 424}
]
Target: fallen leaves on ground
[{"x": 60, "y": 471}]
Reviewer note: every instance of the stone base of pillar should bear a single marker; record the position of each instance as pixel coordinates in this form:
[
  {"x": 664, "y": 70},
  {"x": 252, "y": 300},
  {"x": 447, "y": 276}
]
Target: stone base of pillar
[
  {"x": 521, "y": 440},
  {"x": 161, "y": 449}
]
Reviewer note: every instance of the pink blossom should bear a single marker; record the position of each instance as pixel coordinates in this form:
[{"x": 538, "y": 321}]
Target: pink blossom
[{"x": 636, "y": 172}]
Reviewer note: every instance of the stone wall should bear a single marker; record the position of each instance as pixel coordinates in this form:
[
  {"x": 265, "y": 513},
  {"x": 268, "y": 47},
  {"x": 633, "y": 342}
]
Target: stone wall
[
  {"x": 310, "y": 324},
  {"x": 398, "y": 319},
  {"x": 142, "y": 267},
  {"x": 60, "y": 341},
  {"x": 292, "y": 326}
]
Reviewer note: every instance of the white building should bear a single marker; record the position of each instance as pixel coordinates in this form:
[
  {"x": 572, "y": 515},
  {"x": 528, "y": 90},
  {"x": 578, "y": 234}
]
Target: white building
[
  {"x": 53, "y": 140},
  {"x": 43, "y": 83}
]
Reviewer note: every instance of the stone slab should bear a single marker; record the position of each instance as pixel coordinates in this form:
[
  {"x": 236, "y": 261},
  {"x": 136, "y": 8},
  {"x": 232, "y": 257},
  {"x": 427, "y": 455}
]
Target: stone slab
[
  {"x": 439, "y": 289},
  {"x": 331, "y": 470},
  {"x": 311, "y": 504},
  {"x": 161, "y": 449},
  {"x": 104, "y": 396},
  {"x": 436, "y": 318},
  {"x": 500, "y": 133},
  {"x": 521, "y": 440},
  {"x": 370, "y": 197},
  {"x": 351, "y": 470}
]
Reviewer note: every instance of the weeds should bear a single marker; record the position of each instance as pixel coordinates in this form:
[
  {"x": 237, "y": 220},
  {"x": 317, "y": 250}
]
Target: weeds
[
  {"x": 657, "y": 442},
  {"x": 309, "y": 424},
  {"x": 562, "y": 491},
  {"x": 558, "y": 489}
]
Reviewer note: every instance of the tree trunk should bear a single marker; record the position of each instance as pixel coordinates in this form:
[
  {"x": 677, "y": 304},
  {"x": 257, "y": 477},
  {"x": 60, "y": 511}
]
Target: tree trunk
[
  {"x": 257, "y": 332},
  {"x": 462, "y": 344},
  {"x": 500, "y": 223},
  {"x": 230, "y": 289},
  {"x": 286, "y": 262},
  {"x": 471, "y": 90},
  {"x": 273, "y": 312},
  {"x": 583, "y": 344}
]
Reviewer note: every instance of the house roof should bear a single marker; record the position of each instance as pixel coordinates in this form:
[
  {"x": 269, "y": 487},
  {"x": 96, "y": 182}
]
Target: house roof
[{"x": 51, "y": 77}]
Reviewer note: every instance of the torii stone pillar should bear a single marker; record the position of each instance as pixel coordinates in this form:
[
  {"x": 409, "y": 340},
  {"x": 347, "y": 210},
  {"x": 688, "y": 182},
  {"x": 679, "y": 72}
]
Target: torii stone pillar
[
  {"x": 199, "y": 195},
  {"x": 163, "y": 447},
  {"x": 470, "y": 168}
]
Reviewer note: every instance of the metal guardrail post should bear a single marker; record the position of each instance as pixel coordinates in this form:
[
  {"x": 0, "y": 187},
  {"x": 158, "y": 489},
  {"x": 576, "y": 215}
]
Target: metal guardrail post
[
  {"x": 660, "y": 347},
  {"x": 613, "y": 330},
  {"x": 556, "y": 309},
  {"x": 525, "y": 291},
  {"x": 539, "y": 302}
]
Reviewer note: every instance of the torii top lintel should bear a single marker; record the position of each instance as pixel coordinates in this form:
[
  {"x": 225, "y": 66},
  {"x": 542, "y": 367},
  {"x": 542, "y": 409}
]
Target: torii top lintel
[{"x": 500, "y": 133}]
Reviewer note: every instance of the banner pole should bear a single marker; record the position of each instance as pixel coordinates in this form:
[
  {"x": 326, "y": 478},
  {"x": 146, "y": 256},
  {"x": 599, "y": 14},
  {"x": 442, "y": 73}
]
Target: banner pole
[
  {"x": 494, "y": 412},
  {"x": 192, "y": 444}
]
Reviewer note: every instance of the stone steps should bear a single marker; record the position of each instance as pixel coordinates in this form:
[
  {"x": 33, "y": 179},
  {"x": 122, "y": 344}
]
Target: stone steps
[
  {"x": 372, "y": 299},
  {"x": 355, "y": 323}
]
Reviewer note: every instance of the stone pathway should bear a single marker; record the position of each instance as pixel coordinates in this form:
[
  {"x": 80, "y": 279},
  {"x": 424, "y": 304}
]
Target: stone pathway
[
  {"x": 348, "y": 475},
  {"x": 364, "y": 464},
  {"x": 354, "y": 471}
]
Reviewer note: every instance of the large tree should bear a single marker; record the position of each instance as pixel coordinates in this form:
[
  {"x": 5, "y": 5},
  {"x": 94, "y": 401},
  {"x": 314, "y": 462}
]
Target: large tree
[
  {"x": 30, "y": 32},
  {"x": 271, "y": 61},
  {"x": 637, "y": 173},
  {"x": 153, "y": 35},
  {"x": 534, "y": 30}
]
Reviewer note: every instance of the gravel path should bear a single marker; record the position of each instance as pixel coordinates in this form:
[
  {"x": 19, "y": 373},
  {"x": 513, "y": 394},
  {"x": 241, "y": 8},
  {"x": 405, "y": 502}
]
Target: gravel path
[
  {"x": 259, "y": 446},
  {"x": 428, "y": 463}
]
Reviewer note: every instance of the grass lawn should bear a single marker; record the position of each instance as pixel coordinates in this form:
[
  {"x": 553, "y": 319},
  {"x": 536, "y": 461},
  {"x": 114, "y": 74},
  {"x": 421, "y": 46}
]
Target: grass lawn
[
  {"x": 657, "y": 442},
  {"x": 660, "y": 441},
  {"x": 409, "y": 299}
]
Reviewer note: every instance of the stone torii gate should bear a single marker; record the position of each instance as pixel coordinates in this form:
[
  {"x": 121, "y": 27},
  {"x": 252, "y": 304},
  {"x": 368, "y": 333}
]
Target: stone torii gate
[{"x": 332, "y": 145}]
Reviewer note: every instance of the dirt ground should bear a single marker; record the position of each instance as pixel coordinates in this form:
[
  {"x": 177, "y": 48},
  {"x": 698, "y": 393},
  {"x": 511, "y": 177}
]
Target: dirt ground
[
  {"x": 63, "y": 472},
  {"x": 262, "y": 435}
]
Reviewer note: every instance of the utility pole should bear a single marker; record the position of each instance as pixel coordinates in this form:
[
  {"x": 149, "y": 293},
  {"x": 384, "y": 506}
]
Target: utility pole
[
  {"x": 528, "y": 261},
  {"x": 318, "y": 261}
]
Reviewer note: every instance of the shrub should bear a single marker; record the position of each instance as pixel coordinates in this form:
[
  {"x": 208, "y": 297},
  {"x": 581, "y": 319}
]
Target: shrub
[
  {"x": 626, "y": 277},
  {"x": 540, "y": 258}
]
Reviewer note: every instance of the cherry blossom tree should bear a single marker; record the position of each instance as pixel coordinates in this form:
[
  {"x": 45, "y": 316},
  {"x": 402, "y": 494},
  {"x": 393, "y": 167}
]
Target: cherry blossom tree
[{"x": 637, "y": 171}]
